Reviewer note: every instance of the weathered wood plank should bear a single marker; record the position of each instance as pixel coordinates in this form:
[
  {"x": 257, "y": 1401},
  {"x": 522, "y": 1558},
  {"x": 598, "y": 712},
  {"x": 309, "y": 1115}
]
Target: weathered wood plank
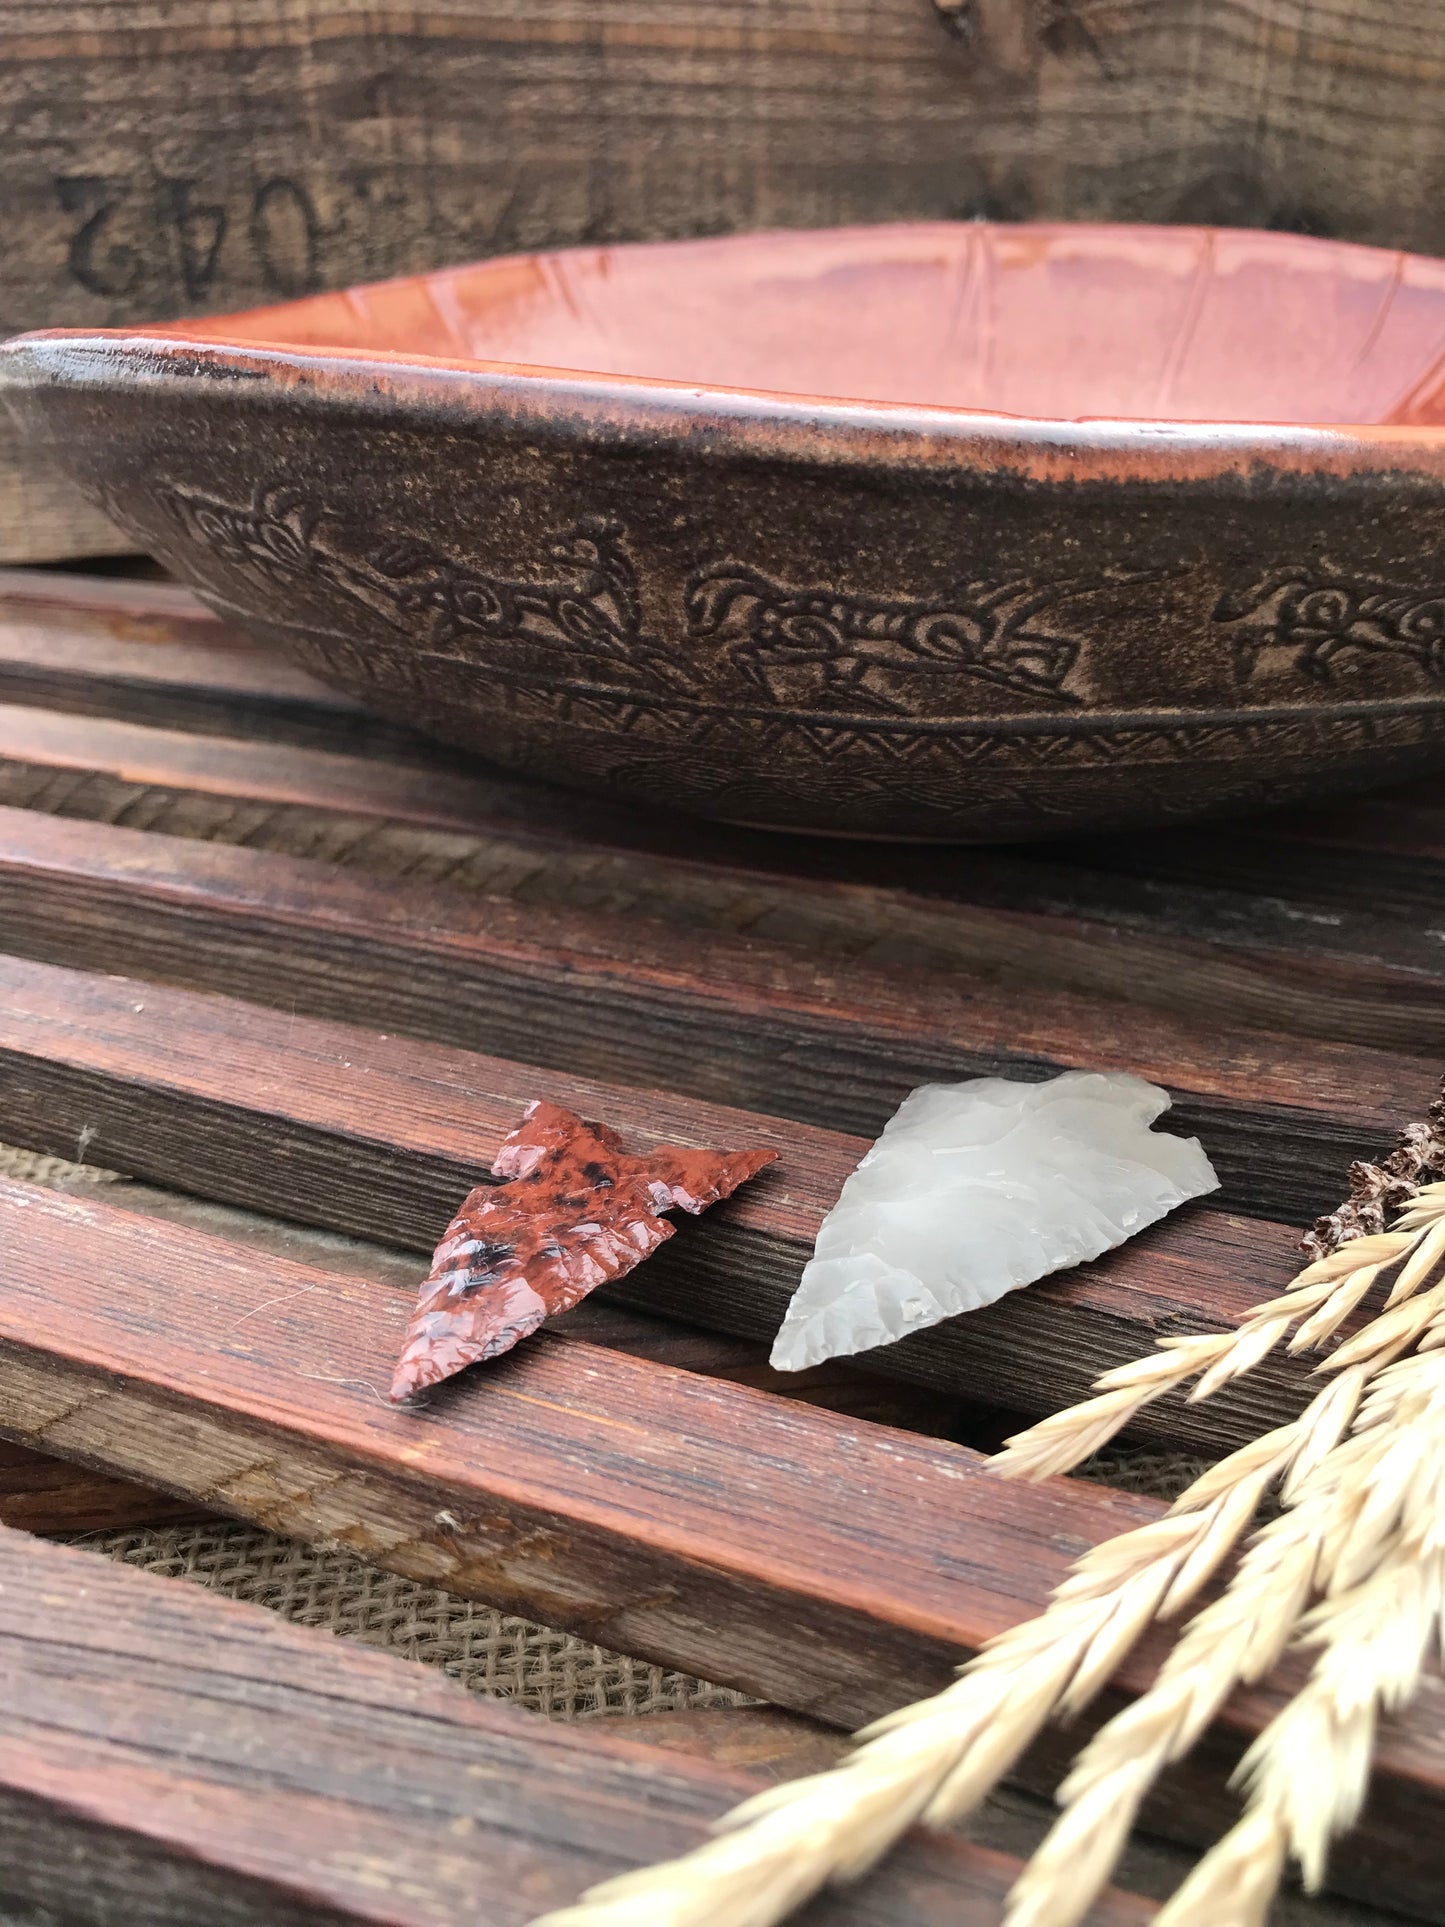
[
  {"x": 382, "y": 1136},
  {"x": 458, "y": 134},
  {"x": 167, "y": 1756},
  {"x": 561, "y": 1473},
  {"x": 1212, "y": 953},
  {"x": 743, "y": 1022},
  {"x": 823, "y": 1563},
  {"x": 39, "y": 1493},
  {"x": 1369, "y": 880},
  {"x": 122, "y": 607},
  {"x": 45, "y": 1494},
  {"x": 159, "y": 659}
]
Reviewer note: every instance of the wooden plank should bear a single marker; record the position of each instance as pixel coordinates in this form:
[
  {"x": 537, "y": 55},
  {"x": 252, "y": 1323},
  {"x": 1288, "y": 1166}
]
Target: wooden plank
[
  {"x": 759, "y": 1739},
  {"x": 44, "y": 517},
  {"x": 825, "y": 1564},
  {"x": 516, "y": 127},
  {"x": 92, "y": 766},
  {"x": 746, "y": 1022},
  {"x": 1368, "y": 878},
  {"x": 382, "y": 1136},
  {"x": 168, "y": 1756},
  {"x": 45, "y": 1494},
  {"x": 135, "y": 608},
  {"x": 151, "y": 660},
  {"x": 560, "y": 1471},
  {"x": 1212, "y": 953},
  {"x": 39, "y": 1493}
]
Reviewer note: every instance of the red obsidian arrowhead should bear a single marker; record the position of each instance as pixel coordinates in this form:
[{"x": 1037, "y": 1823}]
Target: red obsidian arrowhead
[{"x": 577, "y": 1211}]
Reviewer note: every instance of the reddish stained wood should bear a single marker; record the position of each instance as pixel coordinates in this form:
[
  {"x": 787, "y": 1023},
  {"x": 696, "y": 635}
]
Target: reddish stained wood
[
  {"x": 1364, "y": 883},
  {"x": 120, "y": 606},
  {"x": 759, "y": 1739},
  {"x": 379, "y": 1136},
  {"x": 569, "y": 1209},
  {"x": 136, "y": 660},
  {"x": 823, "y": 1563},
  {"x": 48, "y": 762},
  {"x": 170, "y": 1756},
  {"x": 1383, "y": 825},
  {"x": 32, "y": 656},
  {"x": 749, "y": 1023},
  {"x": 43, "y": 1494},
  {"x": 1346, "y": 976}
]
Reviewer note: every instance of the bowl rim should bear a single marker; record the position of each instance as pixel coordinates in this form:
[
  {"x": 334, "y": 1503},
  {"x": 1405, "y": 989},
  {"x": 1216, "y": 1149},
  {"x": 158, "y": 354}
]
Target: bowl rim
[{"x": 636, "y": 411}]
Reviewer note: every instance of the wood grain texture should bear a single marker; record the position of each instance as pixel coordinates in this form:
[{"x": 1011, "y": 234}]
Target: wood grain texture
[
  {"x": 149, "y": 653},
  {"x": 167, "y": 1757},
  {"x": 44, "y": 1494},
  {"x": 44, "y": 516},
  {"x": 1376, "y": 868},
  {"x": 457, "y": 134},
  {"x": 381, "y": 1137},
  {"x": 745, "y": 1022},
  {"x": 39, "y": 1493},
  {"x": 1332, "y": 962},
  {"x": 828, "y": 1565}
]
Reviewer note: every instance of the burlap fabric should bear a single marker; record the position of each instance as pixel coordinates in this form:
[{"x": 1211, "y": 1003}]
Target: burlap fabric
[{"x": 486, "y": 1650}]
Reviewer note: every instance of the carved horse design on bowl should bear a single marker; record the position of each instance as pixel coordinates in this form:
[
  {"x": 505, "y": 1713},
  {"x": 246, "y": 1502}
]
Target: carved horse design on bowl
[{"x": 1316, "y": 616}]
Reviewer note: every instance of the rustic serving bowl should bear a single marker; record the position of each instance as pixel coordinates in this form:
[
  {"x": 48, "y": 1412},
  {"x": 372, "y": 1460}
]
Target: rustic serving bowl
[{"x": 929, "y": 531}]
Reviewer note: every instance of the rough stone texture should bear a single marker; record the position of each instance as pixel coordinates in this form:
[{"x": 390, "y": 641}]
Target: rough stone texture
[{"x": 571, "y": 1210}]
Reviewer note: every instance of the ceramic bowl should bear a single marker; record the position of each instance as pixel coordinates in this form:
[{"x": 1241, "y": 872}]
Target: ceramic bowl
[{"x": 924, "y": 531}]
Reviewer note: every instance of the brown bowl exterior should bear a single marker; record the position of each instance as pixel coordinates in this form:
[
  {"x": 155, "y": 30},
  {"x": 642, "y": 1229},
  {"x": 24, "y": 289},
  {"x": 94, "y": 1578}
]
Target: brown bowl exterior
[{"x": 857, "y": 619}]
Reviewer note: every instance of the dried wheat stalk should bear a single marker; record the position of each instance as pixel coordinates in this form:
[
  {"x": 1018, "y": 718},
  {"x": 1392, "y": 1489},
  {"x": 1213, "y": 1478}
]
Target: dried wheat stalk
[
  {"x": 1349, "y": 1510},
  {"x": 1307, "y": 1773},
  {"x": 1317, "y": 1301},
  {"x": 936, "y": 1759},
  {"x": 1349, "y": 1249}
]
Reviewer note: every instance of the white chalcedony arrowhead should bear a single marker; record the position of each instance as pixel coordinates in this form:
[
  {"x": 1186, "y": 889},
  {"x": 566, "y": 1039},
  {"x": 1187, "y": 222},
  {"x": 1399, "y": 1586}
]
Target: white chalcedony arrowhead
[{"x": 977, "y": 1188}]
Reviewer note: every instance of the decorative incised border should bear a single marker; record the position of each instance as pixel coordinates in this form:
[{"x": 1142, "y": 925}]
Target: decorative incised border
[{"x": 864, "y": 647}]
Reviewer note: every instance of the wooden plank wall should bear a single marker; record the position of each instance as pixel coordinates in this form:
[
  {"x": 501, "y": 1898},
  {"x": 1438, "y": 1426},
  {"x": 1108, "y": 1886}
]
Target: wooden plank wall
[{"x": 164, "y": 160}]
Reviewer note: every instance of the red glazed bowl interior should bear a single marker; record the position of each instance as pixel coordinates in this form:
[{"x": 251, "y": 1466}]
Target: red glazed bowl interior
[{"x": 1060, "y": 322}]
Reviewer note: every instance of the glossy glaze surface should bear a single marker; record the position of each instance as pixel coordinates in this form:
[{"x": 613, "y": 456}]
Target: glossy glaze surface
[
  {"x": 1061, "y": 322},
  {"x": 947, "y": 531}
]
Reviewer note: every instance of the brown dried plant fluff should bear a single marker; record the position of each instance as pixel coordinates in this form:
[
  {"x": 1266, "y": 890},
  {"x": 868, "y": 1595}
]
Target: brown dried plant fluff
[
  {"x": 1378, "y": 1189},
  {"x": 934, "y": 1760}
]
